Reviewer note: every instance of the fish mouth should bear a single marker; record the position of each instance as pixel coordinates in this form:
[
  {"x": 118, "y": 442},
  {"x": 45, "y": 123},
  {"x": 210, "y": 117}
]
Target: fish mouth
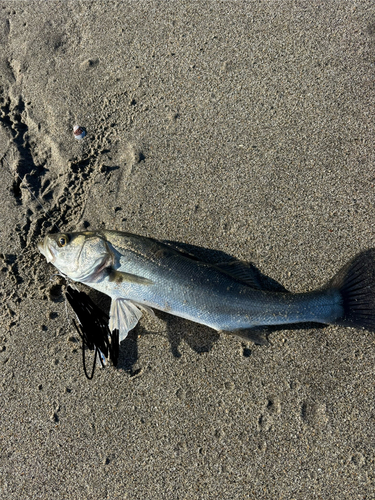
[{"x": 46, "y": 250}]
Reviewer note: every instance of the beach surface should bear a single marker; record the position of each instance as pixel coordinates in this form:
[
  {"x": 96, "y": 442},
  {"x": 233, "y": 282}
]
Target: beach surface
[{"x": 244, "y": 128}]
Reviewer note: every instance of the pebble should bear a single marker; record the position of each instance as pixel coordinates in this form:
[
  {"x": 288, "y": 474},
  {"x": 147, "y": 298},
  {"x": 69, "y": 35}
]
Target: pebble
[{"x": 79, "y": 132}]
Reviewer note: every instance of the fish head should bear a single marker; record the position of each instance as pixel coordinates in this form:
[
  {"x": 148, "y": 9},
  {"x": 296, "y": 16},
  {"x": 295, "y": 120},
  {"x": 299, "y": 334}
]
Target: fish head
[{"x": 79, "y": 256}]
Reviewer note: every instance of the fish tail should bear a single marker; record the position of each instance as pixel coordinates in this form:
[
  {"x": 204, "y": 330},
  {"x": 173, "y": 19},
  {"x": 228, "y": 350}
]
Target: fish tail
[{"x": 356, "y": 285}]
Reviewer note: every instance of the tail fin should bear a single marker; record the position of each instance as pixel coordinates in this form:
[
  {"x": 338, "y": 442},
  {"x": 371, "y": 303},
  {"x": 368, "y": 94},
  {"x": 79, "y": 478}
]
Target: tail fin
[{"x": 356, "y": 284}]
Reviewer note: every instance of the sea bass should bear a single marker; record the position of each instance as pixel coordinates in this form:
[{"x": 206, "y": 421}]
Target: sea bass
[{"x": 141, "y": 274}]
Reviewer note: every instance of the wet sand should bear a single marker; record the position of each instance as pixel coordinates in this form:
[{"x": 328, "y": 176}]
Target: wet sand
[{"x": 240, "y": 127}]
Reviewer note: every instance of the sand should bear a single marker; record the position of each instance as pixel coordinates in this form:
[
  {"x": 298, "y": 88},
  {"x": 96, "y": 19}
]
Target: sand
[{"x": 241, "y": 127}]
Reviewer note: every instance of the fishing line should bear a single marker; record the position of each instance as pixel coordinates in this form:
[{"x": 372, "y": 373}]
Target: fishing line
[{"x": 94, "y": 320}]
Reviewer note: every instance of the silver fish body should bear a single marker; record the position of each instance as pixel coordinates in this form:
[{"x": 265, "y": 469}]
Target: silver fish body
[{"x": 142, "y": 273}]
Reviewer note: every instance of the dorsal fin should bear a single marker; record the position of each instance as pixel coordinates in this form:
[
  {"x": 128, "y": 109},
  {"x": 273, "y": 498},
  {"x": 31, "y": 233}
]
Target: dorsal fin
[
  {"x": 175, "y": 247},
  {"x": 241, "y": 271},
  {"x": 238, "y": 269}
]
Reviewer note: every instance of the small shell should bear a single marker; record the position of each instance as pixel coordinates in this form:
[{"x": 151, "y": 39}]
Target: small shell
[{"x": 79, "y": 132}]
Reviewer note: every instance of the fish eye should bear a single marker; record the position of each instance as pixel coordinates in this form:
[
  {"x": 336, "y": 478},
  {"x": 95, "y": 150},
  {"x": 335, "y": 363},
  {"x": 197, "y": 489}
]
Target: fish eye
[{"x": 63, "y": 240}]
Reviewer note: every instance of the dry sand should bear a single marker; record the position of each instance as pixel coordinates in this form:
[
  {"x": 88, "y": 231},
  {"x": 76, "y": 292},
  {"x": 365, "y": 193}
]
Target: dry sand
[{"x": 244, "y": 127}]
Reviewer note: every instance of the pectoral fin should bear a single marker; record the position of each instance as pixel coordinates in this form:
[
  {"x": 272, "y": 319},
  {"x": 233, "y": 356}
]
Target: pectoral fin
[
  {"x": 120, "y": 276},
  {"x": 124, "y": 316}
]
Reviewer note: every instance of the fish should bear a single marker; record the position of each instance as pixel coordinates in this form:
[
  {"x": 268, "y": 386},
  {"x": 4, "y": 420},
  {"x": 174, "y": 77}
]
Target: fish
[{"x": 141, "y": 274}]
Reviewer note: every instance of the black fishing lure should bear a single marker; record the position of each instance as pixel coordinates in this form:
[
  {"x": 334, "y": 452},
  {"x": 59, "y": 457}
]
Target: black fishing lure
[{"x": 93, "y": 329}]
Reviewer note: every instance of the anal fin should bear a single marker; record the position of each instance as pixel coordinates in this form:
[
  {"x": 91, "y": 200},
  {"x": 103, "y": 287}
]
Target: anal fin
[{"x": 256, "y": 335}]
